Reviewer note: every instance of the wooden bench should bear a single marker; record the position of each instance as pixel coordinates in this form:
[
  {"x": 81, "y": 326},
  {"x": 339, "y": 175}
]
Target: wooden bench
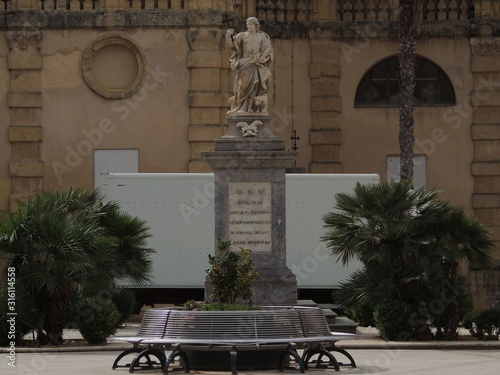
[{"x": 284, "y": 329}]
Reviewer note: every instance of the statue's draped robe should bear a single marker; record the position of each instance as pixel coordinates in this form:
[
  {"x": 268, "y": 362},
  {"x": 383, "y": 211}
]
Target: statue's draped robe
[{"x": 252, "y": 76}]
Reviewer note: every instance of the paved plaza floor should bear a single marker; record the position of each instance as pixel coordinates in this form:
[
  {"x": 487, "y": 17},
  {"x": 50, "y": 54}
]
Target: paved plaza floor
[
  {"x": 371, "y": 353},
  {"x": 388, "y": 361}
]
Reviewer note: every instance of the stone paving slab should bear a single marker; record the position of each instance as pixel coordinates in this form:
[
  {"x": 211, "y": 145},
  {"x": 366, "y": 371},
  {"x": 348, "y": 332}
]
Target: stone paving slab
[
  {"x": 372, "y": 354},
  {"x": 388, "y": 361}
]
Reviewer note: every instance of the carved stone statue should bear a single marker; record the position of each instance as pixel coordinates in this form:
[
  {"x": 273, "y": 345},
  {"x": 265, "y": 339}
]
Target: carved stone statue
[{"x": 252, "y": 59}]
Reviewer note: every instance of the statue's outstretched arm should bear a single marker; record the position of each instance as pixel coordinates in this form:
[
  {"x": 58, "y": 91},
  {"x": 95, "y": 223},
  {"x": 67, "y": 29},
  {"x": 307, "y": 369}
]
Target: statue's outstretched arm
[{"x": 229, "y": 38}]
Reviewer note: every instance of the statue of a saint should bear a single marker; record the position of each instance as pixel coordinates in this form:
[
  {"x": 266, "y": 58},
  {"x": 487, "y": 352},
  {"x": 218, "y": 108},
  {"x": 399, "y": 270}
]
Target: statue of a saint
[{"x": 252, "y": 59}]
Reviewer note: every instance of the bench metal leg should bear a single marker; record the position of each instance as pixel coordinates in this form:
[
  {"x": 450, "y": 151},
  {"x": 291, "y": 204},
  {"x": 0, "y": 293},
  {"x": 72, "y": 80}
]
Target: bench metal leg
[
  {"x": 292, "y": 352},
  {"x": 310, "y": 352},
  {"x": 234, "y": 362},
  {"x": 125, "y": 353},
  {"x": 176, "y": 353},
  {"x": 149, "y": 364},
  {"x": 344, "y": 352}
]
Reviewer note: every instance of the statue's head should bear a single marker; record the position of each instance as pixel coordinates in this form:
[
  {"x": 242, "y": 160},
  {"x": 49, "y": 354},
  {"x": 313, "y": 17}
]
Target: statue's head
[{"x": 254, "y": 21}]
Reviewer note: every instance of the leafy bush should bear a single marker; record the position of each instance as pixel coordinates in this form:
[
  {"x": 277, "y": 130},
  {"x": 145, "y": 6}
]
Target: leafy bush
[
  {"x": 65, "y": 246},
  {"x": 465, "y": 305},
  {"x": 411, "y": 244},
  {"x": 393, "y": 320},
  {"x": 488, "y": 324},
  {"x": 124, "y": 300},
  {"x": 231, "y": 274},
  {"x": 468, "y": 323},
  {"x": 218, "y": 306},
  {"x": 97, "y": 319},
  {"x": 362, "y": 313}
]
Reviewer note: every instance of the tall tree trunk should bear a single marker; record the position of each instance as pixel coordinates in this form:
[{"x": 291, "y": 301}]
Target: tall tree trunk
[
  {"x": 58, "y": 314},
  {"x": 406, "y": 79},
  {"x": 450, "y": 271}
]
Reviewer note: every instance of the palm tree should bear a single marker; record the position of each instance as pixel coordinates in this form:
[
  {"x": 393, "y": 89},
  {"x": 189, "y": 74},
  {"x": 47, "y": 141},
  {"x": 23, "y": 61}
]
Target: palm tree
[
  {"x": 407, "y": 30},
  {"x": 63, "y": 244},
  {"x": 410, "y": 243}
]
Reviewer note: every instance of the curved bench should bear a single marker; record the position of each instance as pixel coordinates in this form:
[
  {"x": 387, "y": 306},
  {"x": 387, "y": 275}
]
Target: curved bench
[
  {"x": 285, "y": 329},
  {"x": 230, "y": 331}
]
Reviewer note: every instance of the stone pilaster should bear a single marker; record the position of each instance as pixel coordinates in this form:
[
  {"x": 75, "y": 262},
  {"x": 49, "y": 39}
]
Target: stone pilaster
[
  {"x": 326, "y": 105},
  {"x": 205, "y": 95},
  {"x": 485, "y": 100},
  {"x": 25, "y": 103}
]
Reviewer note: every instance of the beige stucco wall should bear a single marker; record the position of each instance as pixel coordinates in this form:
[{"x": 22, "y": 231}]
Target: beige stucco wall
[
  {"x": 290, "y": 95},
  {"x": 154, "y": 120},
  {"x": 441, "y": 133}
]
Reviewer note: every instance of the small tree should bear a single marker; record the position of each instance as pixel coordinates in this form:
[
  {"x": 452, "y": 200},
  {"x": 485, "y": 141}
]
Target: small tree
[
  {"x": 410, "y": 243},
  {"x": 64, "y": 245},
  {"x": 231, "y": 274}
]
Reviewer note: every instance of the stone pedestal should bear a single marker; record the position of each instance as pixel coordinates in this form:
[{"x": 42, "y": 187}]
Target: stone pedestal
[{"x": 249, "y": 165}]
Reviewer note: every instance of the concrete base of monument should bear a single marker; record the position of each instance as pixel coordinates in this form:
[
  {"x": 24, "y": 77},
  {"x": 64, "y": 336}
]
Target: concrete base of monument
[
  {"x": 275, "y": 286},
  {"x": 246, "y": 360}
]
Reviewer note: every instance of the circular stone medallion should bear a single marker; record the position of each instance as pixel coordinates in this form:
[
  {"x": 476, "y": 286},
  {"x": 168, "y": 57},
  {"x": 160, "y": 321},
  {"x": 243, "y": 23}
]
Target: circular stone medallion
[{"x": 113, "y": 67}]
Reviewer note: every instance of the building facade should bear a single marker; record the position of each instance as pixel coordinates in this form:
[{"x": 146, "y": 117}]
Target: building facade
[{"x": 93, "y": 86}]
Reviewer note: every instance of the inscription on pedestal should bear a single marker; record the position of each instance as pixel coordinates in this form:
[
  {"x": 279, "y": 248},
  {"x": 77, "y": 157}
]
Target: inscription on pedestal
[{"x": 250, "y": 215}]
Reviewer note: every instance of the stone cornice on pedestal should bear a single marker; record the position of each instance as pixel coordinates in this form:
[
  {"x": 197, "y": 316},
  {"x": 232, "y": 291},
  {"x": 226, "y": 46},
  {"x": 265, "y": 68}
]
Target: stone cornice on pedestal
[{"x": 249, "y": 159}]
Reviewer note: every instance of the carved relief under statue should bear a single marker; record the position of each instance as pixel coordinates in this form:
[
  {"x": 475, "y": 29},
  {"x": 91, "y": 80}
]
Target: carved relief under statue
[{"x": 249, "y": 127}]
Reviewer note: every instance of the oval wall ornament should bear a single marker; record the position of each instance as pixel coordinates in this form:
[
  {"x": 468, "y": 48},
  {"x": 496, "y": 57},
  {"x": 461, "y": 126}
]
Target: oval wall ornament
[{"x": 113, "y": 67}]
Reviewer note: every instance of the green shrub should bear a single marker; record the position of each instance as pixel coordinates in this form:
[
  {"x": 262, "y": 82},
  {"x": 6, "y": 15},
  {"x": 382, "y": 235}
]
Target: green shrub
[
  {"x": 465, "y": 305},
  {"x": 393, "y": 320},
  {"x": 469, "y": 323},
  {"x": 124, "y": 300},
  {"x": 97, "y": 318},
  {"x": 362, "y": 314},
  {"x": 488, "y": 324},
  {"x": 231, "y": 274},
  {"x": 218, "y": 306},
  {"x": 484, "y": 325}
]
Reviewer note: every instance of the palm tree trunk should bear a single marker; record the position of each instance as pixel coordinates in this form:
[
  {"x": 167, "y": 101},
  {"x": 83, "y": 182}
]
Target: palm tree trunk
[
  {"x": 406, "y": 79},
  {"x": 58, "y": 314},
  {"x": 450, "y": 271}
]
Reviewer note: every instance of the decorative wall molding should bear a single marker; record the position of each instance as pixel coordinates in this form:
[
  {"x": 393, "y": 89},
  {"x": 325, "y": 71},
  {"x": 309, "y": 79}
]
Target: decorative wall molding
[
  {"x": 99, "y": 87},
  {"x": 24, "y": 40}
]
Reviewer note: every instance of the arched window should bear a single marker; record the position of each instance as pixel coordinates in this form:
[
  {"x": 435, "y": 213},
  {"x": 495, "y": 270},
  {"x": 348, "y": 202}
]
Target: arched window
[{"x": 379, "y": 87}]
